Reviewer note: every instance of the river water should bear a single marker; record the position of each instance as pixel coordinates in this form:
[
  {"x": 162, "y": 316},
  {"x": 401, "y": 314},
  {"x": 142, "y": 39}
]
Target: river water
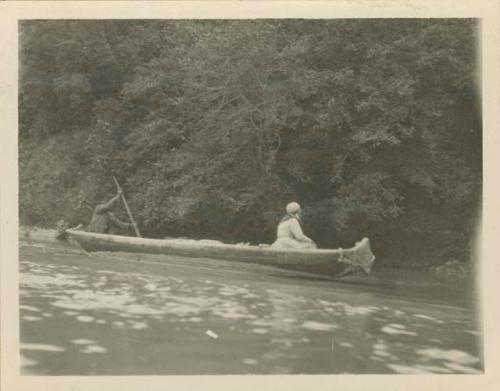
[{"x": 123, "y": 314}]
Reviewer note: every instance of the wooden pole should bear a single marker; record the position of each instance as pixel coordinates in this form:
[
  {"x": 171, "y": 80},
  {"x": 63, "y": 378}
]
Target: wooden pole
[{"x": 128, "y": 210}]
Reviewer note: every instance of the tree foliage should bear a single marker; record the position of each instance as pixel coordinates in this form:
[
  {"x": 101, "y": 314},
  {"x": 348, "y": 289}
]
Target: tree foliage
[{"x": 374, "y": 126}]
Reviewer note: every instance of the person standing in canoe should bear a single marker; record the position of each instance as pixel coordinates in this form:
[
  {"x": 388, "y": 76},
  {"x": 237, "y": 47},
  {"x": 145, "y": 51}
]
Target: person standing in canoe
[
  {"x": 289, "y": 233},
  {"x": 103, "y": 220}
]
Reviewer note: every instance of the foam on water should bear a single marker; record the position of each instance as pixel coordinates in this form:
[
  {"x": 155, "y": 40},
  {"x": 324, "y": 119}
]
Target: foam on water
[
  {"x": 41, "y": 347},
  {"x": 398, "y": 330},
  {"x": 261, "y": 322},
  {"x": 40, "y": 281},
  {"x": 85, "y": 319},
  {"x": 462, "y": 368},
  {"x": 91, "y": 349},
  {"x": 27, "y": 362},
  {"x": 139, "y": 325},
  {"x": 318, "y": 326},
  {"x": 455, "y": 356},
  {"x": 70, "y": 313},
  {"x": 83, "y": 341},
  {"x": 32, "y": 318},
  {"x": 195, "y": 319},
  {"x": 426, "y": 317},
  {"x": 348, "y": 309},
  {"x": 433, "y": 368},
  {"x": 409, "y": 370}
]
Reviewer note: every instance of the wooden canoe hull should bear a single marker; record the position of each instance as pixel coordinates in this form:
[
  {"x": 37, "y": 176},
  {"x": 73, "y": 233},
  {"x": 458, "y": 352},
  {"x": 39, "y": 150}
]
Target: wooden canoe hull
[{"x": 325, "y": 262}]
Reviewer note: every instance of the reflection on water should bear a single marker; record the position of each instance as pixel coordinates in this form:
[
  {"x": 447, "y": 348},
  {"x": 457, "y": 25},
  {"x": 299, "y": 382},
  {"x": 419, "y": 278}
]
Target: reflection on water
[{"x": 111, "y": 315}]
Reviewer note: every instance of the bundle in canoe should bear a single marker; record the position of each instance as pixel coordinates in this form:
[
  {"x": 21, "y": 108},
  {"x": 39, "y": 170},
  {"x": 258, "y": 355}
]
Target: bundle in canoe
[{"x": 335, "y": 262}]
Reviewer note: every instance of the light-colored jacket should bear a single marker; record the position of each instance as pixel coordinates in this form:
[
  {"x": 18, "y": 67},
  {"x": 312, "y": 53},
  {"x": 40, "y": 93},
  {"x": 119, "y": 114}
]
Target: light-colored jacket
[{"x": 290, "y": 235}]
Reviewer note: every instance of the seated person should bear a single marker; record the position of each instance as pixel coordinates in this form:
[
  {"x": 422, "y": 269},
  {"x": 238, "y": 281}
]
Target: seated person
[
  {"x": 103, "y": 220},
  {"x": 289, "y": 234}
]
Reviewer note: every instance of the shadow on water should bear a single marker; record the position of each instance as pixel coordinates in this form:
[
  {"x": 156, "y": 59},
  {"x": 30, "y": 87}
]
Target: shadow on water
[
  {"x": 111, "y": 315},
  {"x": 406, "y": 284}
]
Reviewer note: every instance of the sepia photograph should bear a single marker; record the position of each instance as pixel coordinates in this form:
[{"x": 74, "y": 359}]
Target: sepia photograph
[
  {"x": 307, "y": 189},
  {"x": 249, "y": 196}
]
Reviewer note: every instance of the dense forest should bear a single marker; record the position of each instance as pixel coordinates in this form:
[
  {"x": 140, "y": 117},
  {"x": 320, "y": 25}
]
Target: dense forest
[{"x": 211, "y": 127}]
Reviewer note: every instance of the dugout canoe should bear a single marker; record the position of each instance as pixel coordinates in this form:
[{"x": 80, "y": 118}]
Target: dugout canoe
[{"x": 332, "y": 262}]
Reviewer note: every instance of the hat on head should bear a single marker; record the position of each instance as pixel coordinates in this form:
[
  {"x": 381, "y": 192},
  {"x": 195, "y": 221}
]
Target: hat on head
[{"x": 292, "y": 207}]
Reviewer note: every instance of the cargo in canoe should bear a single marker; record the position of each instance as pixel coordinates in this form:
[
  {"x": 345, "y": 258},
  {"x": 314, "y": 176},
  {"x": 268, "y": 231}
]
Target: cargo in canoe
[{"x": 334, "y": 262}]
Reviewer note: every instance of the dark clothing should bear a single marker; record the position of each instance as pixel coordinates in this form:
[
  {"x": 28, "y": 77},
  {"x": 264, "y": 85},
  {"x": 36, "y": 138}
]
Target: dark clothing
[{"x": 103, "y": 220}]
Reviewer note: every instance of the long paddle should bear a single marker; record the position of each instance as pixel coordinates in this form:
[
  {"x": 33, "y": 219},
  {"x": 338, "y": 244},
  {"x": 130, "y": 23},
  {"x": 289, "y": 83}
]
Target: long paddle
[{"x": 128, "y": 210}]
